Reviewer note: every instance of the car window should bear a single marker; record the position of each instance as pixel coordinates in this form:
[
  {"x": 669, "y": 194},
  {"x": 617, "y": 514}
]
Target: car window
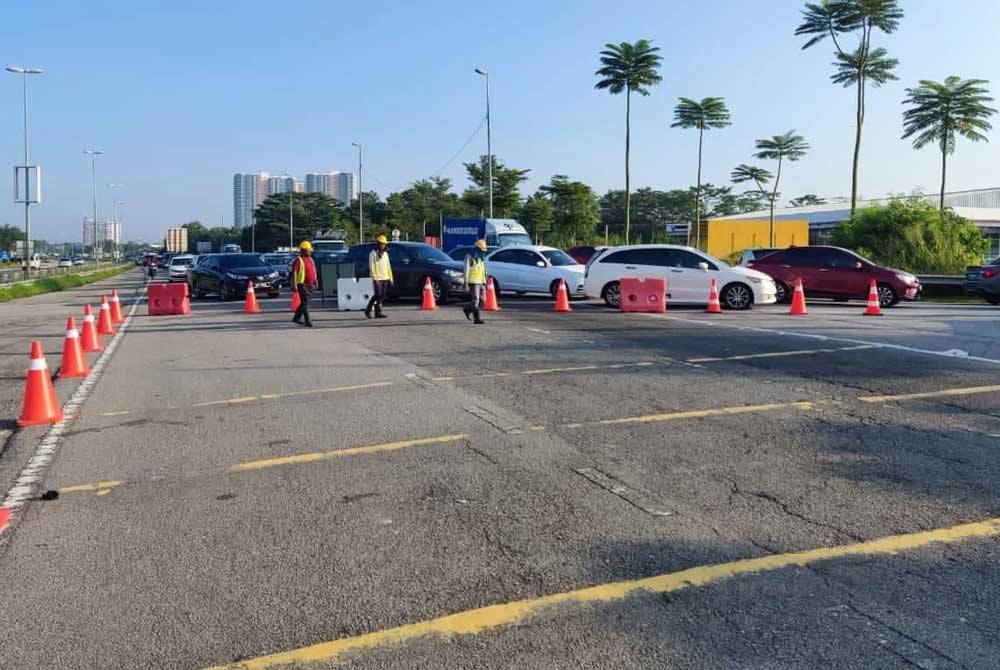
[
  {"x": 397, "y": 254},
  {"x": 516, "y": 256},
  {"x": 686, "y": 259},
  {"x": 802, "y": 256},
  {"x": 429, "y": 253},
  {"x": 526, "y": 257},
  {"x": 558, "y": 258},
  {"x": 835, "y": 258},
  {"x": 240, "y": 260},
  {"x": 625, "y": 257}
]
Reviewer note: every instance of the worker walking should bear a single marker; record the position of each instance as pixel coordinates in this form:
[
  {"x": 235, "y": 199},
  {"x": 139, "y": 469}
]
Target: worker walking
[
  {"x": 381, "y": 273},
  {"x": 304, "y": 280},
  {"x": 475, "y": 280}
]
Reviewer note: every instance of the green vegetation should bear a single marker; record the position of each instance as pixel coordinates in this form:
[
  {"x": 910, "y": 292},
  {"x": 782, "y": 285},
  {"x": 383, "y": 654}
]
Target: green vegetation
[
  {"x": 705, "y": 115},
  {"x": 790, "y": 147},
  {"x": 58, "y": 283}
]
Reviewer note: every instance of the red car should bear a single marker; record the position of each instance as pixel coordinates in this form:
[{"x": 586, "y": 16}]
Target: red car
[
  {"x": 583, "y": 253},
  {"x": 832, "y": 272}
]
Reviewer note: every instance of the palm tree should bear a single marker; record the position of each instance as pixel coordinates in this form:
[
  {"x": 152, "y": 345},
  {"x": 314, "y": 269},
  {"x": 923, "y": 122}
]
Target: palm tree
[
  {"x": 628, "y": 67},
  {"x": 939, "y": 111},
  {"x": 790, "y": 147},
  {"x": 830, "y": 18},
  {"x": 707, "y": 114},
  {"x": 757, "y": 175}
]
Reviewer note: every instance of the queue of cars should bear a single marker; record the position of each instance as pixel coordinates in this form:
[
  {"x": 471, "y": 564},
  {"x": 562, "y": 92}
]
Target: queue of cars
[{"x": 984, "y": 281}]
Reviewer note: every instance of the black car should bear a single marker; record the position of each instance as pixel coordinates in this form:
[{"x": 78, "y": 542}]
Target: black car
[
  {"x": 459, "y": 253},
  {"x": 229, "y": 274},
  {"x": 412, "y": 263},
  {"x": 984, "y": 280}
]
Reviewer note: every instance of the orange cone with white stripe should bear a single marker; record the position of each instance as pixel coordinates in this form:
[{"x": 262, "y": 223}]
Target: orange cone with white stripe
[
  {"x": 116, "y": 307},
  {"x": 491, "y": 304},
  {"x": 713, "y": 299},
  {"x": 798, "y": 300},
  {"x": 874, "y": 307},
  {"x": 91, "y": 340},
  {"x": 74, "y": 363},
  {"x": 429, "y": 302},
  {"x": 104, "y": 325},
  {"x": 251, "y": 306},
  {"x": 40, "y": 403},
  {"x": 562, "y": 297}
]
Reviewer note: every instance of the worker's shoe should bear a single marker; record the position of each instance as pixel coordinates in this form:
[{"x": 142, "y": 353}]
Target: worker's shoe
[
  {"x": 468, "y": 312},
  {"x": 380, "y": 315},
  {"x": 309, "y": 324},
  {"x": 477, "y": 321},
  {"x": 298, "y": 321}
]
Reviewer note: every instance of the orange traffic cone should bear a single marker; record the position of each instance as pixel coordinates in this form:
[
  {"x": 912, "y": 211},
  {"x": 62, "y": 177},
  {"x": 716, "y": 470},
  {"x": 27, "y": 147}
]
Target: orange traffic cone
[
  {"x": 491, "y": 304},
  {"x": 713, "y": 299},
  {"x": 562, "y": 298},
  {"x": 251, "y": 306},
  {"x": 296, "y": 300},
  {"x": 874, "y": 307},
  {"x": 428, "y": 296},
  {"x": 116, "y": 307},
  {"x": 74, "y": 363},
  {"x": 40, "y": 404},
  {"x": 91, "y": 341},
  {"x": 104, "y": 325},
  {"x": 798, "y": 300}
]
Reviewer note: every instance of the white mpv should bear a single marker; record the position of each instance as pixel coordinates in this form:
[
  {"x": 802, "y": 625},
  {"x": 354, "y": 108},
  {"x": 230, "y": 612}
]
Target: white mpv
[{"x": 688, "y": 272}]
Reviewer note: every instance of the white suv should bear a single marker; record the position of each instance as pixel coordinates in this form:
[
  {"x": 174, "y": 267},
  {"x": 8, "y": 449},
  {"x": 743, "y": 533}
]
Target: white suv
[
  {"x": 179, "y": 266},
  {"x": 688, "y": 272}
]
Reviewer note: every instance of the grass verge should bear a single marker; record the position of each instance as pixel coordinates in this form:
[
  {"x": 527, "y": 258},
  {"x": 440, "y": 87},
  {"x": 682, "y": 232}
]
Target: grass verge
[{"x": 59, "y": 283}]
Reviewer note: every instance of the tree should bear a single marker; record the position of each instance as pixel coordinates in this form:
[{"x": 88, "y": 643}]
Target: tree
[
  {"x": 418, "y": 209},
  {"x": 854, "y": 68},
  {"x": 506, "y": 183},
  {"x": 376, "y": 213},
  {"x": 938, "y": 111},
  {"x": 574, "y": 209},
  {"x": 790, "y": 147},
  {"x": 807, "y": 200},
  {"x": 311, "y": 212},
  {"x": 536, "y": 215},
  {"x": 628, "y": 67},
  {"x": 705, "y": 115},
  {"x": 758, "y": 175},
  {"x": 913, "y": 235}
]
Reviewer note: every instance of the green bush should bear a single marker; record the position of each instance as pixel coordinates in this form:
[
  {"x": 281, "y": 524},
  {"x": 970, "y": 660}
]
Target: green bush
[{"x": 59, "y": 283}]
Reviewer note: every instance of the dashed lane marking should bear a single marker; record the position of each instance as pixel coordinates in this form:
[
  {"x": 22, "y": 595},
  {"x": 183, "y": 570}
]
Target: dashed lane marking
[
  {"x": 779, "y": 354},
  {"x": 696, "y": 414},
  {"x": 546, "y": 371},
  {"x": 472, "y": 622},
  {"x": 969, "y": 390}
]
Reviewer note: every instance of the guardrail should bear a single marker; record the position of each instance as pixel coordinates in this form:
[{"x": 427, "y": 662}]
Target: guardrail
[
  {"x": 942, "y": 285},
  {"x": 15, "y": 275}
]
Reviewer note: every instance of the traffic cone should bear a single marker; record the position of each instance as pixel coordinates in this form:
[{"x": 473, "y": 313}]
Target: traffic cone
[
  {"x": 491, "y": 304},
  {"x": 874, "y": 306},
  {"x": 116, "y": 307},
  {"x": 74, "y": 363},
  {"x": 798, "y": 300},
  {"x": 713, "y": 299},
  {"x": 251, "y": 306},
  {"x": 296, "y": 300},
  {"x": 91, "y": 341},
  {"x": 562, "y": 298},
  {"x": 104, "y": 325},
  {"x": 40, "y": 404},
  {"x": 429, "y": 303}
]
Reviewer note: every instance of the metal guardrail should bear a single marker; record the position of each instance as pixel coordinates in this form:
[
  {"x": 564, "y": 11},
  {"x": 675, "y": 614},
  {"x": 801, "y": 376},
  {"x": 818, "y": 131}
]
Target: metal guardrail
[
  {"x": 942, "y": 280},
  {"x": 15, "y": 275}
]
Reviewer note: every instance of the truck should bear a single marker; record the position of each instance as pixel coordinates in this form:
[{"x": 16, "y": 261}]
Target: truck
[
  {"x": 326, "y": 241},
  {"x": 231, "y": 248},
  {"x": 496, "y": 232}
]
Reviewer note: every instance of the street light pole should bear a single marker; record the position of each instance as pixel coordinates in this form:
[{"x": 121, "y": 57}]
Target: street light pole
[
  {"x": 117, "y": 223},
  {"x": 24, "y": 72},
  {"x": 489, "y": 135},
  {"x": 291, "y": 219},
  {"x": 94, "y": 153},
  {"x": 361, "y": 193}
]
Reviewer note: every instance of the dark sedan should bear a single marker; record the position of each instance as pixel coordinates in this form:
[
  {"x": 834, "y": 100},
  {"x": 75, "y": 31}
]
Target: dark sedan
[
  {"x": 984, "y": 281},
  {"x": 228, "y": 275},
  {"x": 412, "y": 264}
]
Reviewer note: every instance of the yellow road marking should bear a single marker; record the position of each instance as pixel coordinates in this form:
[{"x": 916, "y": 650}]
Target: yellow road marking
[
  {"x": 970, "y": 390},
  {"x": 696, "y": 414},
  {"x": 546, "y": 371},
  {"x": 491, "y": 617},
  {"x": 778, "y": 354},
  {"x": 123, "y": 413},
  {"x": 96, "y": 486},
  {"x": 230, "y": 401}
]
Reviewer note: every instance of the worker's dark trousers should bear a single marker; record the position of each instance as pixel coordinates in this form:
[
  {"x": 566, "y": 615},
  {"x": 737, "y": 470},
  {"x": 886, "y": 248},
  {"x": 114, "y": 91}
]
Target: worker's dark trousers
[
  {"x": 381, "y": 286},
  {"x": 303, "y": 310}
]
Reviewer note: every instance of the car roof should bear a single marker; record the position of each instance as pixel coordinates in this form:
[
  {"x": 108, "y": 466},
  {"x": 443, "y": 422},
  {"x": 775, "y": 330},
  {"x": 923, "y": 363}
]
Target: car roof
[
  {"x": 529, "y": 247},
  {"x": 654, "y": 246}
]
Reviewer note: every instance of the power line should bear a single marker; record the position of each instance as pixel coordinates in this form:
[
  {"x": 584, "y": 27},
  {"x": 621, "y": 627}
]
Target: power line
[{"x": 464, "y": 146}]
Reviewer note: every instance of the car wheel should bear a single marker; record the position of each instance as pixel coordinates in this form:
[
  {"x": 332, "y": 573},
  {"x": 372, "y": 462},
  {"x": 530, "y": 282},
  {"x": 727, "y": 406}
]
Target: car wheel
[
  {"x": 781, "y": 292},
  {"x": 612, "y": 295},
  {"x": 992, "y": 299},
  {"x": 737, "y": 297},
  {"x": 440, "y": 295},
  {"x": 887, "y": 295},
  {"x": 554, "y": 288}
]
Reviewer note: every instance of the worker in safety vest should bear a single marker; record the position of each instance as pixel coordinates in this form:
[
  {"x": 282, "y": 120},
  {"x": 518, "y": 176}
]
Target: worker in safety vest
[
  {"x": 381, "y": 273},
  {"x": 475, "y": 280},
  {"x": 304, "y": 280}
]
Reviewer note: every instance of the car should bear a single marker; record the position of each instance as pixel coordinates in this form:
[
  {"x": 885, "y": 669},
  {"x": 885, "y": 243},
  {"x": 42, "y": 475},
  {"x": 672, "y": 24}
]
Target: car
[
  {"x": 228, "y": 275},
  {"x": 328, "y": 245},
  {"x": 833, "y": 272},
  {"x": 77, "y": 261},
  {"x": 412, "y": 264},
  {"x": 65, "y": 263},
  {"x": 984, "y": 280},
  {"x": 178, "y": 267},
  {"x": 534, "y": 269},
  {"x": 749, "y": 255},
  {"x": 282, "y": 262},
  {"x": 582, "y": 253},
  {"x": 459, "y": 253},
  {"x": 688, "y": 271}
]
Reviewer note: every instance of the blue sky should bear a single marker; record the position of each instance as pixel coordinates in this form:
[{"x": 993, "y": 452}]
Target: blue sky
[{"x": 182, "y": 94}]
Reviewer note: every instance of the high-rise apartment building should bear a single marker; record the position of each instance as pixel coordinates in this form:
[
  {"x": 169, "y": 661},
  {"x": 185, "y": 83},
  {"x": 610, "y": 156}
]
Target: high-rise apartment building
[
  {"x": 282, "y": 184},
  {"x": 177, "y": 240},
  {"x": 250, "y": 190},
  {"x": 105, "y": 231},
  {"x": 338, "y": 185},
  {"x": 247, "y": 194}
]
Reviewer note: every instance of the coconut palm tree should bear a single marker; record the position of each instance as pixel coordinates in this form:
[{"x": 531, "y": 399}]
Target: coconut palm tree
[
  {"x": 938, "y": 111},
  {"x": 707, "y": 114},
  {"x": 628, "y": 67},
  {"x": 757, "y": 175},
  {"x": 833, "y": 18},
  {"x": 790, "y": 147}
]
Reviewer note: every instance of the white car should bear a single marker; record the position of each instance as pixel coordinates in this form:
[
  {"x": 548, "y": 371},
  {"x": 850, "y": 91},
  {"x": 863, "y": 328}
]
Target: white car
[
  {"x": 77, "y": 261},
  {"x": 534, "y": 269},
  {"x": 689, "y": 274},
  {"x": 65, "y": 262},
  {"x": 179, "y": 266}
]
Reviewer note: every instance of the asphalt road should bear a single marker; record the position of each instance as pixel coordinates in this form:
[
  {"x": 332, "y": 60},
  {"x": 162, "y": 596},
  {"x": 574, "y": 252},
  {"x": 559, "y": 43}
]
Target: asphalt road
[{"x": 585, "y": 490}]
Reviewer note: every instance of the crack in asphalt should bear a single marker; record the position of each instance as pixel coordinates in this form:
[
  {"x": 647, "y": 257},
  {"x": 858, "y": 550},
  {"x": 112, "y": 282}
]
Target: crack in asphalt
[{"x": 769, "y": 497}]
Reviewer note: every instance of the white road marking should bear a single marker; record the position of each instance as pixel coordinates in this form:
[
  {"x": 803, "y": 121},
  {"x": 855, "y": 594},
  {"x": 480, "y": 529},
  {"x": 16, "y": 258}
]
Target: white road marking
[{"x": 539, "y": 330}]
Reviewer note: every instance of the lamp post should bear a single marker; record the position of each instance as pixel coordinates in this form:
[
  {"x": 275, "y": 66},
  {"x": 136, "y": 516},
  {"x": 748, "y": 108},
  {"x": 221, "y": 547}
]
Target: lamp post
[
  {"x": 361, "y": 216},
  {"x": 291, "y": 219},
  {"x": 489, "y": 137},
  {"x": 94, "y": 153},
  {"x": 117, "y": 223},
  {"x": 24, "y": 72}
]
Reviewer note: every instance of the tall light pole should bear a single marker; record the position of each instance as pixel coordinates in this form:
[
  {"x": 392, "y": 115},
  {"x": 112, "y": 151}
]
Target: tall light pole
[
  {"x": 24, "y": 72},
  {"x": 361, "y": 193},
  {"x": 291, "y": 217},
  {"x": 94, "y": 153},
  {"x": 117, "y": 223},
  {"x": 489, "y": 136}
]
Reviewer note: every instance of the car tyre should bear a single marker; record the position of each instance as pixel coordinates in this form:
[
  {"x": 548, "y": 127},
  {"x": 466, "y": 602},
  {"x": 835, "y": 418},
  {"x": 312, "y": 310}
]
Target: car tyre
[
  {"x": 782, "y": 293},
  {"x": 887, "y": 296},
  {"x": 737, "y": 297},
  {"x": 440, "y": 295},
  {"x": 554, "y": 288},
  {"x": 992, "y": 299},
  {"x": 612, "y": 294}
]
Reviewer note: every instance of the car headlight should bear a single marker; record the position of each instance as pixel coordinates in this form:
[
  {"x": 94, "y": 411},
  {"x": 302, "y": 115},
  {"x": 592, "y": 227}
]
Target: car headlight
[
  {"x": 756, "y": 280},
  {"x": 454, "y": 273},
  {"x": 273, "y": 275},
  {"x": 906, "y": 279},
  {"x": 233, "y": 275}
]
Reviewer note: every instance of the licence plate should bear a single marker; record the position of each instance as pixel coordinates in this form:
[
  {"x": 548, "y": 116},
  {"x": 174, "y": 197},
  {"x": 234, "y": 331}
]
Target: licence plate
[{"x": 262, "y": 284}]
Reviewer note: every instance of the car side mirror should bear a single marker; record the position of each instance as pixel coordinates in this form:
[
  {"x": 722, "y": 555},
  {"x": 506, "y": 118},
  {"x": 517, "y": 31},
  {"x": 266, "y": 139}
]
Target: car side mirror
[
  {"x": 859, "y": 265},
  {"x": 703, "y": 265},
  {"x": 540, "y": 264}
]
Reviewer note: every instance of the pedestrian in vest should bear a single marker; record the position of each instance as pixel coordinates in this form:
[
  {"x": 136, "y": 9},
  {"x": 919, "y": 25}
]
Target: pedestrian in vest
[
  {"x": 304, "y": 280},
  {"x": 475, "y": 280},
  {"x": 381, "y": 273}
]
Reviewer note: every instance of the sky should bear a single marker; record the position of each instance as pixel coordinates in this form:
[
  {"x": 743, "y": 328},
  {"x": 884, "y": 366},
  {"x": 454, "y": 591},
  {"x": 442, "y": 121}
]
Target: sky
[{"x": 181, "y": 95}]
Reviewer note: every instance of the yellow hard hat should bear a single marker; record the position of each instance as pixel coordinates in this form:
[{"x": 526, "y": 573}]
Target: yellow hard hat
[
  {"x": 481, "y": 245},
  {"x": 306, "y": 245},
  {"x": 381, "y": 239}
]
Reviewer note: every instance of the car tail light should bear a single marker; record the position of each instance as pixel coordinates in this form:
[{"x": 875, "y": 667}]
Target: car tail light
[
  {"x": 751, "y": 264},
  {"x": 989, "y": 272}
]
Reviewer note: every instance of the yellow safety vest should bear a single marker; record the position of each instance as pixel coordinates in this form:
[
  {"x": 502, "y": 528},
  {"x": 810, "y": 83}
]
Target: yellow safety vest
[
  {"x": 300, "y": 271},
  {"x": 477, "y": 271},
  {"x": 380, "y": 268}
]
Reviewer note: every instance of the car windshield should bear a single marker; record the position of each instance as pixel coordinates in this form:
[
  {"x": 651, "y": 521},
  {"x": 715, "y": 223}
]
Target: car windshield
[
  {"x": 182, "y": 260},
  {"x": 428, "y": 253},
  {"x": 240, "y": 260},
  {"x": 558, "y": 258},
  {"x": 713, "y": 259},
  {"x": 514, "y": 239},
  {"x": 278, "y": 260}
]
